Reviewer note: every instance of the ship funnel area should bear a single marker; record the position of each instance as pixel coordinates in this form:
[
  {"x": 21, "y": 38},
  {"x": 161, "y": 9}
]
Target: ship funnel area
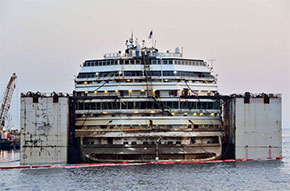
[{"x": 136, "y": 50}]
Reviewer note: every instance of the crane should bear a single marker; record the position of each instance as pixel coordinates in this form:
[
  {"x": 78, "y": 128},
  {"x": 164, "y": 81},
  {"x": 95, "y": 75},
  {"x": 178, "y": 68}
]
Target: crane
[{"x": 7, "y": 100}]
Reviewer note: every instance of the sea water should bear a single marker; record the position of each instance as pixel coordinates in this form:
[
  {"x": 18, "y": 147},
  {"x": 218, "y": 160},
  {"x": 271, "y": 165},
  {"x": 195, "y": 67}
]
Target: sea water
[{"x": 251, "y": 175}]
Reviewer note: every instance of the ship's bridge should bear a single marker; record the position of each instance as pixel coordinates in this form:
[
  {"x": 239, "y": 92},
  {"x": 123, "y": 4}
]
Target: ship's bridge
[{"x": 136, "y": 51}]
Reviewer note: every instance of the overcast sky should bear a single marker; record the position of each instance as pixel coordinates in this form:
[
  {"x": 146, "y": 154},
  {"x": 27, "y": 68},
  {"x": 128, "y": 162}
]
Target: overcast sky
[{"x": 44, "y": 42}]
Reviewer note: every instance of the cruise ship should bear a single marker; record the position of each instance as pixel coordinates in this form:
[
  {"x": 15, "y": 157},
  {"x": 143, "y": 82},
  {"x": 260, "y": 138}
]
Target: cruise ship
[{"x": 145, "y": 105}]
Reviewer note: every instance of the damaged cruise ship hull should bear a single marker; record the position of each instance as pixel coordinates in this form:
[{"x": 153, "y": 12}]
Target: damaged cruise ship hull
[
  {"x": 149, "y": 146},
  {"x": 146, "y": 105}
]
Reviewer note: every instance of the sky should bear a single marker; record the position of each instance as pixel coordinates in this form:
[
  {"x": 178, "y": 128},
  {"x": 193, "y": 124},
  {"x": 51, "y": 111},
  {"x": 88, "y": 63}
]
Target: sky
[{"x": 45, "y": 42}]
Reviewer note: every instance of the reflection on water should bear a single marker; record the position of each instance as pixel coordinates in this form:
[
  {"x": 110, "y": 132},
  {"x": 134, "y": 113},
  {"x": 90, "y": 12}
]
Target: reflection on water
[
  {"x": 253, "y": 175},
  {"x": 9, "y": 158}
]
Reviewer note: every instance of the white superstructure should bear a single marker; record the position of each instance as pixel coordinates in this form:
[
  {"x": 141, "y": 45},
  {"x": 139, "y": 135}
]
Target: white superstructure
[{"x": 145, "y": 90}]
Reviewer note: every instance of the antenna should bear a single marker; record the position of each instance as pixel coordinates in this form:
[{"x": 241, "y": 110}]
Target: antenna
[
  {"x": 211, "y": 62},
  {"x": 151, "y": 37},
  {"x": 182, "y": 51},
  {"x": 131, "y": 40}
]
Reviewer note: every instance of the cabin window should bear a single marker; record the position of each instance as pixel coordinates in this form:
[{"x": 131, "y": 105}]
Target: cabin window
[
  {"x": 216, "y": 105},
  {"x": 192, "y": 140},
  {"x": 87, "y": 106},
  {"x": 149, "y": 105},
  {"x": 199, "y": 105},
  {"x": 130, "y": 105},
  {"x": 137, "y": 105},
  {"x": 93, "y": 106},
  {"x": 175, "y": 105},
  {"x": 215, "y": 140},
  {"x": 192, "y": 105},
  {"x": 178, "y": 142},
  {"x": 104, "y": 105},
  {"x": 183, "y": 105},
  {"x": 204, "y": 105},
  {"x": 134, "y": 143},
  {"x": 80, "y": 106},
  {"x": 98, "y": 105},
  {"x": 210, "y": 105},
  {"x": 156, "y": 73},
  {"x": 171, "y": 93},
  {"x": 116, "y": 105},
  {"x": 125, "y": 143},
  {"x": 124, "y": 105}
]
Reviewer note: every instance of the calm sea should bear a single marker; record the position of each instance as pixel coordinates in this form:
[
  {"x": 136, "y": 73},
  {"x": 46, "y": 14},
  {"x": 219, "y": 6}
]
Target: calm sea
[{"x": 254, "y": 175}]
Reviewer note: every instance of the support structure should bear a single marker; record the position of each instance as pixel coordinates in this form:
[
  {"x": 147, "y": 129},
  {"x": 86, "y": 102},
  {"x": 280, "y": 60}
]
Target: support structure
[{"x": 7, "y": 100}]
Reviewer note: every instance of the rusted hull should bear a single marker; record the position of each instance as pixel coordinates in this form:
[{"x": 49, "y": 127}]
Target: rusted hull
[{"x": 147, "y": 153}]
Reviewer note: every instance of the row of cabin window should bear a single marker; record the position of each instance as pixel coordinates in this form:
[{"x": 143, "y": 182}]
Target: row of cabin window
[
  {"x": 87, "y": 142},
  {"x": 146, "y": 105},
  {"x": 128, "y": 62},
  {"x": 141, "y": 73}
]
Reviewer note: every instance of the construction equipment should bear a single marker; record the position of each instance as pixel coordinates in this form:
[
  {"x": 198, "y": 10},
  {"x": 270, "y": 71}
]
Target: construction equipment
[{"x": 7, "y": 100}]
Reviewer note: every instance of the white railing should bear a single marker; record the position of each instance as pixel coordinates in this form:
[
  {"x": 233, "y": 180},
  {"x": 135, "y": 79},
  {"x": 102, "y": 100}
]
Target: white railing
[
  {"x": 112, "y": 55},
  {"x": 169, "y": 54},
  {"x": 152, "y": 54}
]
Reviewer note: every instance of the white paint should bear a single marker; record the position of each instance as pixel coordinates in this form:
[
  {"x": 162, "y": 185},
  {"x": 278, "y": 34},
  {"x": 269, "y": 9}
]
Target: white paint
[{"x": 258, "y": 128}]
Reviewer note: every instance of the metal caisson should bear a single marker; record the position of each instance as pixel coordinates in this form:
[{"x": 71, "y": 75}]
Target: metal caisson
[
  {"x": 253, "y": 124},
  {"x": 44, "y": 128}
]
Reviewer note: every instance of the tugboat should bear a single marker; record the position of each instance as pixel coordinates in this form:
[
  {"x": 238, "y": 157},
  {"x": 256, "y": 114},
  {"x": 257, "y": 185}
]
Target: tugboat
[
  {"x": 144, "y": 105},
  {"x": 9, "y": 139}
]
